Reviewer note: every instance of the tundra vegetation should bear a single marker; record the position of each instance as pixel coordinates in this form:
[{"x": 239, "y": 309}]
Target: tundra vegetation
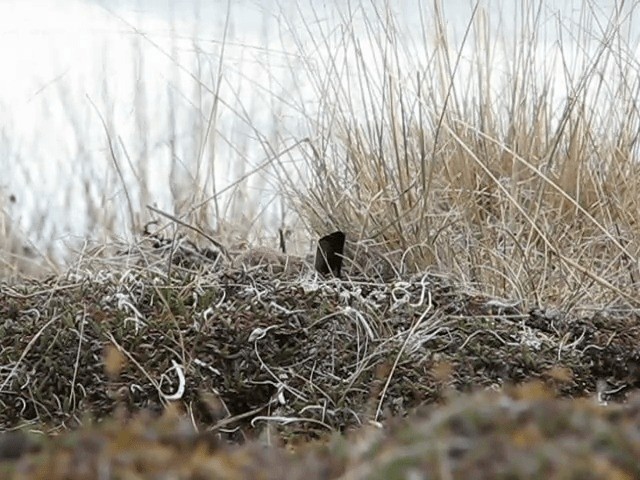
[{"x": 486, "y": 322}]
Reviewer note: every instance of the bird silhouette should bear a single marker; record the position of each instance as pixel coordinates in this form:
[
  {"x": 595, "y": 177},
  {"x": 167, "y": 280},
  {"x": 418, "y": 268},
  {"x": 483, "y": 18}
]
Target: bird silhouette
[{"x": 329, "y": 253}]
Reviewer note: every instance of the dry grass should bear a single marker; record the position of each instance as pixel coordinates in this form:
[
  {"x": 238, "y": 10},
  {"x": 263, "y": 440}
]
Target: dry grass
[
  {"x": 476, "y": 164},
  {"x": 505, "y": 188},
  {"x": 187, "y": 143},
  {"x": 508, "y": 164}
]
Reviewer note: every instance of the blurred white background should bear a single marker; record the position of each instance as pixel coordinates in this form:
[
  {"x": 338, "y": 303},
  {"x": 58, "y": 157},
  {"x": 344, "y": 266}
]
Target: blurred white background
[{"x": 152, "y": 71}]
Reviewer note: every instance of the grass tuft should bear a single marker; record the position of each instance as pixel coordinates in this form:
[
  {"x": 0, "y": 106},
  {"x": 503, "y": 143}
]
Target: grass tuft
[{"x": 471, "y": 162}]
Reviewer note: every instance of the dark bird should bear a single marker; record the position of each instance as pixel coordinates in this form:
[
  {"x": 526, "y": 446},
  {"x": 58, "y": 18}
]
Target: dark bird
[{"x": 329, "y": 253}]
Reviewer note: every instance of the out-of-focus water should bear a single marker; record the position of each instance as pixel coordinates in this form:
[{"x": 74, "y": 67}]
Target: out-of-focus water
[{"x": 150, "y": 70}]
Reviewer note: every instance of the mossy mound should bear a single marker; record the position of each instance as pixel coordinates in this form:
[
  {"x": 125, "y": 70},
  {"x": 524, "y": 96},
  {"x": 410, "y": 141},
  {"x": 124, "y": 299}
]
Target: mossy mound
[
  {"x": 288, "y": 356},
  {"x": 521, "y": 433}
]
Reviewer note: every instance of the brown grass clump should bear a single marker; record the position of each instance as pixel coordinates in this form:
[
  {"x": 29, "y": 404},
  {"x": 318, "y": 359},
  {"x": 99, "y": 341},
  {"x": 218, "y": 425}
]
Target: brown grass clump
[{"x": 477, "y": 166}]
